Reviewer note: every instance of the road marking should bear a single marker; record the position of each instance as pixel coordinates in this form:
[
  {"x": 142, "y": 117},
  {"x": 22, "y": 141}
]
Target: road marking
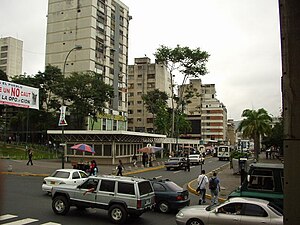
[
  {"x": 7, "y": 217},
  {"x": 21, "y": 222},
  {"x": 178, "y": 171},
  {"x": 157, "y": 177},
  {"x": 51, "y": 223}
]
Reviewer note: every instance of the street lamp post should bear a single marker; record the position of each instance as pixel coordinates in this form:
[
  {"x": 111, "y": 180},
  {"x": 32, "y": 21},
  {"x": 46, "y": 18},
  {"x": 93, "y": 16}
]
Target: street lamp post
[{"x": 62, "y": 122}]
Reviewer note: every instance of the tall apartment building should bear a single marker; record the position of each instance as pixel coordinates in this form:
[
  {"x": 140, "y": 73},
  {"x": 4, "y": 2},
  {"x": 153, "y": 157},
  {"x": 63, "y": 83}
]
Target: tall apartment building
[
  {"x": 101, "y": 28},
  {"x": 144, "y": 76},
  {"x": 11, "y": 51},
  {"x": 206, "y": 113}
]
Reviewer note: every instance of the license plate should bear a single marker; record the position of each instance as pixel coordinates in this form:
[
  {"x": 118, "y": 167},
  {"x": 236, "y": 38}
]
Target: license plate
[{"x": 148, "y": 202}]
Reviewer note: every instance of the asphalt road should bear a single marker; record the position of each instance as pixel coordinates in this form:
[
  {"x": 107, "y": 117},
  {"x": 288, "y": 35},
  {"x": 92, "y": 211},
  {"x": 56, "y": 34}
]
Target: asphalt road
[{"x": 24, "y": 202}]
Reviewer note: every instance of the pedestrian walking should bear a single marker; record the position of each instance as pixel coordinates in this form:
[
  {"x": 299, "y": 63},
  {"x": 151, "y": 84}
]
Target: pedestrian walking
[
  {"x": 134, "y": 160},
  {"x": 188, "y": 164},
  {"x": 202, "y": 183},
  {"x": 120, "y": 168},
  {"x": 30, "y": 154},
  {"x": 214, "y": 187}
]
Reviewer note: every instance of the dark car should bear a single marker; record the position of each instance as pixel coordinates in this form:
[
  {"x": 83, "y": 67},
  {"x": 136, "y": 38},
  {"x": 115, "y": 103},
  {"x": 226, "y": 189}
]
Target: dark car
[
  {"x": 176, "y": 163},
  {"x": 169, "y": 196}
]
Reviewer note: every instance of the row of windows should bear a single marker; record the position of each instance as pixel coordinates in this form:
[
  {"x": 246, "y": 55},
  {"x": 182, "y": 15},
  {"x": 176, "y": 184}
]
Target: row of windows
[
  {"x": 131, "y": 120},
  {"x": 4, "y": 48}
]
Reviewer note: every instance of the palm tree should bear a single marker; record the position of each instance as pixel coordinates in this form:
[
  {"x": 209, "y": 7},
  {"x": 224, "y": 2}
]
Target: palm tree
[{"x": 256, "y": 124}]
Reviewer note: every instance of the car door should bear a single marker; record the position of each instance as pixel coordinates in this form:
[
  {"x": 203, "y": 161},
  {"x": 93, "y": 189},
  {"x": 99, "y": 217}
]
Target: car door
[
  {"x": 106, "y": 192},
  {"x": 225, "y": 215},
  {"x": 75, "y": 179},
  {"x": 86, "y": 192},
  {"x": 253, "y": 214}
]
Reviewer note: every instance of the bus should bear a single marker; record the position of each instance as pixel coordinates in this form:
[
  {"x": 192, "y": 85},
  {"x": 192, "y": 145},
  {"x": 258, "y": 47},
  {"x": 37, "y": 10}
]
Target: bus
[{"x": 224, "y": 152}]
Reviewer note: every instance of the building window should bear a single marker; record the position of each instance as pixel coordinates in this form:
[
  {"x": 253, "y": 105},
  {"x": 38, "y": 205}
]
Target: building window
[
  {"x": 139, "y": 119},
  {"x": 139, "y": 111},
  {"x": 4, "y": 55},
  {"x": 4, "y": 48},
  {"x": 3, "y": 61},
  {"x": 139, "y": 102},
  {"x": 139, "y": 93}
]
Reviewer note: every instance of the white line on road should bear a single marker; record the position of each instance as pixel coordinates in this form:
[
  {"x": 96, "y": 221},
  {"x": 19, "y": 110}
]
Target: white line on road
[
  {"x": 178, "y": 171},
  {"x": 21, "y": 222},
  {"x": 7, "y": 217},
  {"x": 157, "y": 177},
  {"x": 51, "y": 223}
]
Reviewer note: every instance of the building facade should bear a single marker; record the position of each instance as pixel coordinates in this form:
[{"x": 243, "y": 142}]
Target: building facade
[
  {"x": 100, "y": 27},
  {"x": 144, "y": 76},
  {"x": 206, "y": 113},
  {"x": 11, "y": 56}
]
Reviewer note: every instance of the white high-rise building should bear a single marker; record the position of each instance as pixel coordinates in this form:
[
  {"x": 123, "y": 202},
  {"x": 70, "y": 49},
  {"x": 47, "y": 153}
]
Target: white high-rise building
[
  {"x": 11, "y": 51},
  {"x": 100, "y": 27}
]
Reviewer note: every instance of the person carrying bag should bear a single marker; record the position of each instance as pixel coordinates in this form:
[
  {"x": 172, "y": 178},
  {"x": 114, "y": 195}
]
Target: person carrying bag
[{"x": 202, "y": 182}]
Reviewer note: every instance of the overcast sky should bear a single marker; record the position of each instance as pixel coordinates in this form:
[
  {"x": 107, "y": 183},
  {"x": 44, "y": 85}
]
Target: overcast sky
[{"x": 241, "y": 36}]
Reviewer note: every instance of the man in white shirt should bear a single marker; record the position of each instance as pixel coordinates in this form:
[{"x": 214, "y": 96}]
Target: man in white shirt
[{"x": 202, "y": 183}]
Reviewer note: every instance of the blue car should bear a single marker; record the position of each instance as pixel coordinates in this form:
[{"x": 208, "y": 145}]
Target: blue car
[{"x": 169, "y": 196}]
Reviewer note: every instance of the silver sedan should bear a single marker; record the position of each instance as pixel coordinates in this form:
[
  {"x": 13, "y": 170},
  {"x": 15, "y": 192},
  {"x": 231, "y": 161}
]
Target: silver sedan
[{"x": 235, "y": 211}]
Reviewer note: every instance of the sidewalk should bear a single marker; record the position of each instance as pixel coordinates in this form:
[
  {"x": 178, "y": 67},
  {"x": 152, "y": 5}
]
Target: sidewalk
[
  {"x": 46, "y": 167},
  {"x": 228, "y": 180}
]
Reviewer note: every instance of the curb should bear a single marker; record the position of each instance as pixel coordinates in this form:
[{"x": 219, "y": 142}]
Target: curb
[{"x": 192, "y": 190}]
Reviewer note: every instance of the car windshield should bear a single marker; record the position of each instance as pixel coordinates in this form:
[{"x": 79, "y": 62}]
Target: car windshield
[
  {"x": 60, "y": 174},
  {"x": 211, "y": 207},
  {"x": 174, "y": 187}
]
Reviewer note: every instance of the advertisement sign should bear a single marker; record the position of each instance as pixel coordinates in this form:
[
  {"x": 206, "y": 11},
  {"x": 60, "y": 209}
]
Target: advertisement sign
[
  {"x": 62, "y": 119},
  {"x": 18, "y": 95}
]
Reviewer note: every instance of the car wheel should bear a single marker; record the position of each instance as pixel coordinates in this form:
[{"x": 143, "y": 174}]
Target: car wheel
[
  {"x": 117, "y": 214},
  {"x": 60, "y": 205},
  {"x": 194, "y": 222},
  {"x": 163, "y": 207},
  {"x": 168, "y": 168}
]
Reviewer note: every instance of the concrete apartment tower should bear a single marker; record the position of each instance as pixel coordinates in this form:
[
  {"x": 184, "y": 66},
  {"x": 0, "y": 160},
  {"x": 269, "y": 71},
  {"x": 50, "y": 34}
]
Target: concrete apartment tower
[
  {"x": 100, "y": 27},
  {"x": 206, "y": 113},
  {"x": 11, "y": 56},
  {"x": 144, "y": 76}
]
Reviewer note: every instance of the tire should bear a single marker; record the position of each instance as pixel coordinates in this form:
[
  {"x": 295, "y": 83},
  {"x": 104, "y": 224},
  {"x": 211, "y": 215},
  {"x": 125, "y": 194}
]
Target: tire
[
  {"x": 168, "y": 168},
  {"x": 117, "y": 214},
  {"x": 163, "y": 207},
  {"x": 194, "y": 222},
  {"x": 60, "y": 205}
]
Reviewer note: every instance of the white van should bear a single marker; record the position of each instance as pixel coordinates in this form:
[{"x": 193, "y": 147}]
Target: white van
[{"x": 224, "y": 152}]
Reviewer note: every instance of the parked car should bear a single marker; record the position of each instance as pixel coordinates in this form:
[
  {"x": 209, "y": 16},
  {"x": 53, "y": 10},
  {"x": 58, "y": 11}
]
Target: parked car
[
  {"x": 63, "y": 176},
  {"x": 245, "y": 211},
  {"x": 265, "y": 181},
  {"x": 196, "y": 159},
  {"x": 169, "y": 196},
  {"x": 120, "y": 196},
  {"x": 176, "y": 163}
]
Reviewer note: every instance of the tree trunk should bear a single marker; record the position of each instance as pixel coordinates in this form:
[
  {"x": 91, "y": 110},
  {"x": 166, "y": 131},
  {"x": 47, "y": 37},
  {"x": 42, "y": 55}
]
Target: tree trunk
[{"x": 256, "y": 146}]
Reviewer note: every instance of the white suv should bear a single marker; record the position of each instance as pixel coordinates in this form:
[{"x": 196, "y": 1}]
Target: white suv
[
  {"x": 121, "y": 196},
  {"x": 196, "y": 159}
]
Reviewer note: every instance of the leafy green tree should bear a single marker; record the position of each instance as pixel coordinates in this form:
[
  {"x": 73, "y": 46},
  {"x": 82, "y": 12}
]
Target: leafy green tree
[
  {"x": 185, "y": 61},
  {"x": 3, "y": 75},
  {"x": 254, "y": 125},
  {"x": 275, "y": 138},
  {"x": 86, "y": 94}
]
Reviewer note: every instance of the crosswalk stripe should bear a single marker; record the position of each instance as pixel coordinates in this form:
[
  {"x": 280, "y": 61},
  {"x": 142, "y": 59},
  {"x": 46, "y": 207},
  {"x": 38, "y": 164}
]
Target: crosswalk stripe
[
  {"x": 7, "y": 217},
  {"x": 21, "y": 222},
  {"x": 51, "y": 223}
]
